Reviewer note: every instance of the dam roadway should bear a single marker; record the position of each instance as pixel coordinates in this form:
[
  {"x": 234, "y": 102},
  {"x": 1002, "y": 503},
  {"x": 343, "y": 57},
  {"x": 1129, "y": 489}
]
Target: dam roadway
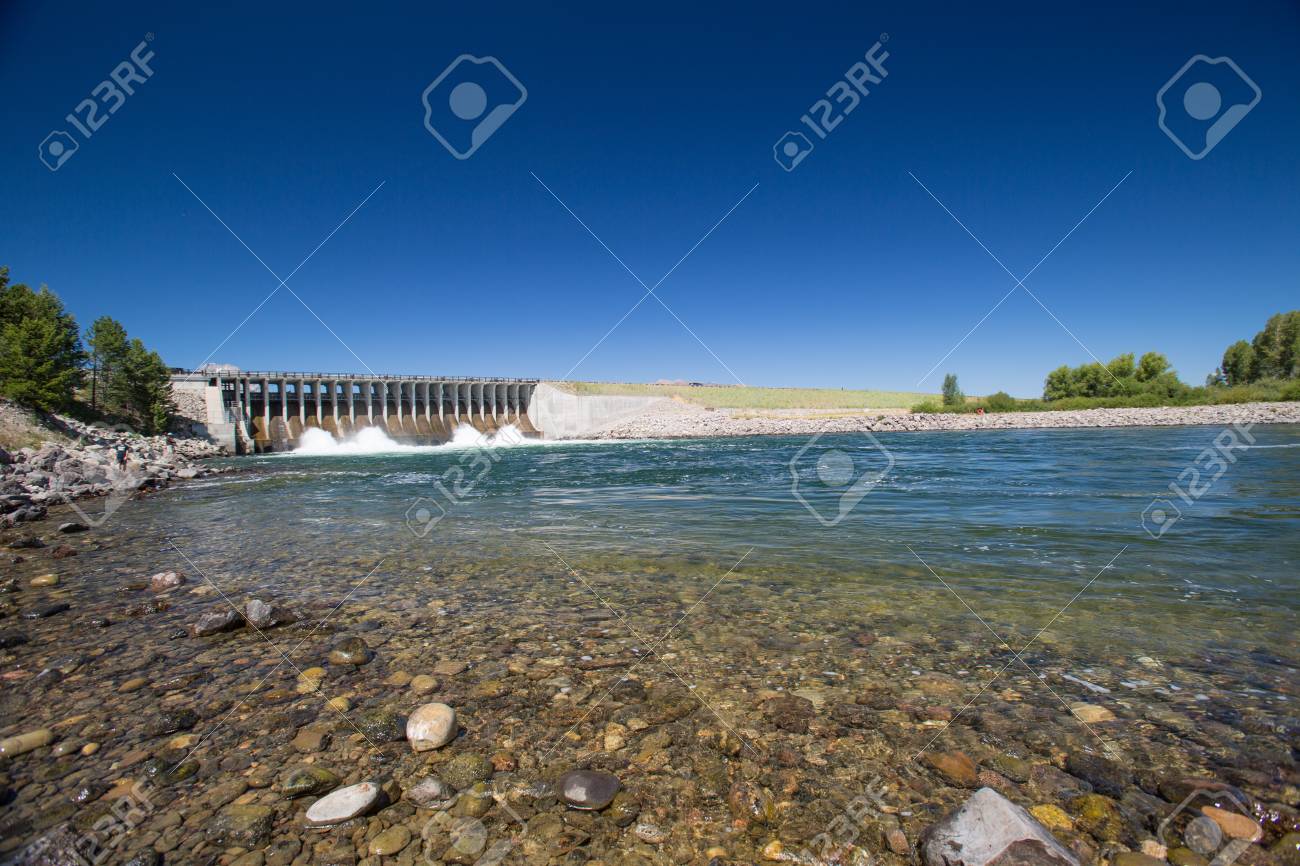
[{"x": 260, "y": 411}]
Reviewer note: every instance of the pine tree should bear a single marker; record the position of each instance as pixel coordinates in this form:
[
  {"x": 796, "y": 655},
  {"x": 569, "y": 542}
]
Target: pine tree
[{"x": 40, "y": 347}]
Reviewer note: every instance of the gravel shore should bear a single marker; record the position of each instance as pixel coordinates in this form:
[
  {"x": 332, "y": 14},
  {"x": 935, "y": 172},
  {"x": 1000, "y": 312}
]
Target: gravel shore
[
  {"x": 682, "y": 421},
  {"x": 83, "y": 465}
]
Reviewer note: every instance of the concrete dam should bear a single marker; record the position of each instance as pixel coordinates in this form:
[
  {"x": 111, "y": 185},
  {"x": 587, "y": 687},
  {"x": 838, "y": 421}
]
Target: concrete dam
[{"x": 257, "y": 412}]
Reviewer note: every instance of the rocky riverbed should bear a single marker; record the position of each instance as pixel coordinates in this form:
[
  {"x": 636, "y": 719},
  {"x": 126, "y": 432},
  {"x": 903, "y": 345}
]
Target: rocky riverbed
[
  {"x": 164, "y": 703},
  {"x": 678, "y": 420}
]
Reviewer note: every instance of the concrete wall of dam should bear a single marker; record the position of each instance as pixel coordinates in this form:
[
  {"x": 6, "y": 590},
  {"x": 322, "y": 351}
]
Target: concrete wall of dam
[
  {"x": 254, "y": 412},
  {"x": 563, "y": 415}
]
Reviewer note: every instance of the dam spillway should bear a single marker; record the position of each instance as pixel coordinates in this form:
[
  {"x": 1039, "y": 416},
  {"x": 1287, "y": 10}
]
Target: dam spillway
[{"x": 257, "y": 412}]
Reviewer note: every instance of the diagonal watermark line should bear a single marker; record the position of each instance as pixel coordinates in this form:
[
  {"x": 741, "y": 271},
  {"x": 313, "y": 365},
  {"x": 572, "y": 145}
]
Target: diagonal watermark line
[
  {"x": 589, "y": 231},
  {"x": 962, "y": 224},
  {"x": 706, "y": 235},
  {"x": 1016, "y": 657},
  {"x": 649, "y": 290},
  {"x": 1020, "y": 281},
  {"x": 283, "y": 282},
  {"x": 284, "y": 658}
]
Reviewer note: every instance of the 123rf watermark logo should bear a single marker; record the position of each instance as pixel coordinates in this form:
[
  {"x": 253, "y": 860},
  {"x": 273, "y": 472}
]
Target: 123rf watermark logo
[
  {"x": 831, "y": 477},
  {"x": 1203, "y": 102},
  {"x": 91, "y": 113},
  {"x": 466, "y": 104},
  {"x": 458, "y": 482},
  {"x": 1160, "y": 516},
  {"x": 826, "y": 114}
]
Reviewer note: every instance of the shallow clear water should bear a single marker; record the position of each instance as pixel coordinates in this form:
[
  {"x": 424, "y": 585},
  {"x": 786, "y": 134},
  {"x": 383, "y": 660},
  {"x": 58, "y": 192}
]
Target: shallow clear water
[{"x": 1016, "y": 523}]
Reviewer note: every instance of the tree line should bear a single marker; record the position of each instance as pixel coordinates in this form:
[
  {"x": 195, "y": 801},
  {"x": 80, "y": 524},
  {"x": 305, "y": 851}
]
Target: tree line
[
  {"x": 46, "y": 364},
  {"x": 1266, "y": 368},
  {"x": 1273, "y": 354}
]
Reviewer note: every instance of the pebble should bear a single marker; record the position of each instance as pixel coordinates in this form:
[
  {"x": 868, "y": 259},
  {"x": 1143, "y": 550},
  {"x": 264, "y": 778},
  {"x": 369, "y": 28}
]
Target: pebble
[
  {"x": 45, "y": 611},
  {"x": 1203, "y": 835},
  {"x": 22, "y": 743},
  {"x": 449, "y": 668},
  {"x": 343, "y": 804},
  {"x": 430, "y": 727},
  {"x": 588, "y": 789},
  {"x": 1091, "y": 714},
  {"x": 391, "y": 841},
  {"x": 244, "y": 825},
  {"x": 351, "y": 650},
  {"x": 89, "y": 749},
  {"x": 310, "y": 740},
  {"x": 309, "y": 680},
  {"x": 308, "y": 780},
  {"x": 422, "y": 684},
  {"x": 465, "y": 769},
  {"x": 216, "y": 622},
  {"x": 166, "y": 580},
  {"x": 45, "y": 580},
  {"x": 1052, "y": 817},
  {"x": 955, "y": 767},
  {"x": 72, "y": 526},
  {"x": 430, "y": 793},
  {"x": 133, "y": 684},
  {"x": 1234, "y": 824}
]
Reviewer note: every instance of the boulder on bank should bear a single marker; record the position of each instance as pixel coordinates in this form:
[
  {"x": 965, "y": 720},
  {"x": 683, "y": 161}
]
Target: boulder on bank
[{"x": 990, "y": 830}]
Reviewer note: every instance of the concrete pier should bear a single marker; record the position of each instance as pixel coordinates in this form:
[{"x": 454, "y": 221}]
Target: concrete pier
[{"x": 256, "y": 411}]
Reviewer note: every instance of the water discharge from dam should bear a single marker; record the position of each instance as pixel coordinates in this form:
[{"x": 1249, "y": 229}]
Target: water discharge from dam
[{"x": 316, "y": 442}]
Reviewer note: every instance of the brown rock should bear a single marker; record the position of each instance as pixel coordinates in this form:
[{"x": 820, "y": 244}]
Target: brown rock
[
  {"x": 1234, "y": 824},
  {"x": 954, "y": 767}
]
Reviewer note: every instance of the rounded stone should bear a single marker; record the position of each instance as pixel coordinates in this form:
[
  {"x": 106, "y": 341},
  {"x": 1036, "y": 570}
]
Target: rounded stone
[
  {"x": 45, "y": 580},
  {"x": 466, "y": 769},
  {"x": 245, "y": 826},
  {"x": 1203, "y": 836},
  {"x": 351, "y": 650},
  {"x": 22, "y": 743},
  {"x": 430, "y": 727},
  {"x": 431, "y": 793},
  {"x": 391, "y": 841},
  {"x": 308, "y": 780},
  {"x": 589, "y": 789},
  {"x": 422, "y": 684},
  {"x": 343, "y": 804}
]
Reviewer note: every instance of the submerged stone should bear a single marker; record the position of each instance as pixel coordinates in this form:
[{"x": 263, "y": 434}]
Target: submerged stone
[
  {"x": 343, "y": 805},
  {"x": 589, "y": 789},
  {"x": 308, "y": 780},
  {"x": 990, "y": 830},
  {"x": 430, "y": 727},
  {"x": 351, "y": 650},
  {"x": 22, "y": 743},
  {"x": 216, "y": 622},
  {"x": 247, "y": 826}
]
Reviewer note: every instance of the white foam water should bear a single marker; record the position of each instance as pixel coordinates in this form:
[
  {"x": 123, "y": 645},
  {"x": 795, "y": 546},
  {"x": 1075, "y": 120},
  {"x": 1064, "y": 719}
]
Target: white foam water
[{"x": 316, "y": 442}]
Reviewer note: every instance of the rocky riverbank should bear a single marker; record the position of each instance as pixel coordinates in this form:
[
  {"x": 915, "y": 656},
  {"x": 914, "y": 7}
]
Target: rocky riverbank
[
  {"x": 81, "y": 463},
  {"x": 679, "y": 420},
  {"x": 485, "y": 714}
]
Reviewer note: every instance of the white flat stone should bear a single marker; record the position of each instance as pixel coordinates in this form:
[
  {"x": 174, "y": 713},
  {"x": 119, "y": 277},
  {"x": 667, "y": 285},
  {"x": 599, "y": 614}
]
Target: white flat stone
[
  {"x": 343, "y": 804},
  {"x": 430, "y": 727},
  {"x": 990, "y": 830}
]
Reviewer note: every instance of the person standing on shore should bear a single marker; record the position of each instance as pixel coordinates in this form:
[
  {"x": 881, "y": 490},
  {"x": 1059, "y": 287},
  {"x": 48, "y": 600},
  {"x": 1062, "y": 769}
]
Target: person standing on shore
[{"x": 121, "y": 455}]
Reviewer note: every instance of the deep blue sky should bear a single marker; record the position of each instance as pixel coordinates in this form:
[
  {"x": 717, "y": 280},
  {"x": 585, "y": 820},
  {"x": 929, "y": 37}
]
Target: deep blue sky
[{"x": 650, "y": 125}]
